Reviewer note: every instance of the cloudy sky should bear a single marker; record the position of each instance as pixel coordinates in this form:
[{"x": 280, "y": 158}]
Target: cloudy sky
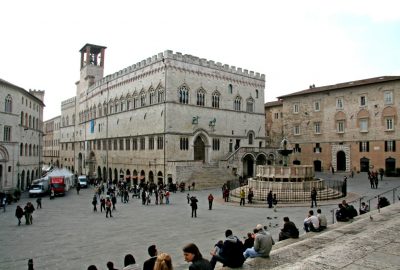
[{"x": 294, "y": 43}]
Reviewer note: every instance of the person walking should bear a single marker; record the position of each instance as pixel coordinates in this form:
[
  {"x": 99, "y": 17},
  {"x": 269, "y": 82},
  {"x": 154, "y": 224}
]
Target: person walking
[
  {"x": 313, "y": 197},
  {"x": 270, "y": 199},
  {"x": 188, "y": 198},
  {"x": 210, "y": 201},
  {"x": 94, "y": 203},
  {"x": 193, "y": 204},
  {"x": 4, "y": 203},
  {"x": 149, "y": 264},
  {"x": 78, "y": 188},
  {"x": 19, "y": 213},
  {"x": 113, "y": 201},
  {"x": 39, "y": 203},
  {"x": 242, "y": 197},
  {"x": 102, "y": 204},
  {"x": 108, "y": 207}
]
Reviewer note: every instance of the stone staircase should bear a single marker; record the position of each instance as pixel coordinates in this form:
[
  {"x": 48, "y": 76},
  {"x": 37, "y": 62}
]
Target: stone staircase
[{"x": 209, "y": 176}]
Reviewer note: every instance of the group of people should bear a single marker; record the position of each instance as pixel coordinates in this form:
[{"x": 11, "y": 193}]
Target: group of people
[
  {"x": 373, "y": 178},
  {"x": 346, "y": 211},
  {"x": 315, "y": 223},
  {"x": 163, "y": 261},
  {"x": 27, "y": 212}
]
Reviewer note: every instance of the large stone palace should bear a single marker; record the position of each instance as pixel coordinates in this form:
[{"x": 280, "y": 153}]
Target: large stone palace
[{"x": 166, "y": 118}]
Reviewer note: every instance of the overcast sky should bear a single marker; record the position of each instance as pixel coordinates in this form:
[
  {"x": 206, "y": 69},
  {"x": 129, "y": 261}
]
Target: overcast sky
[{"x": 294, "y": 43}]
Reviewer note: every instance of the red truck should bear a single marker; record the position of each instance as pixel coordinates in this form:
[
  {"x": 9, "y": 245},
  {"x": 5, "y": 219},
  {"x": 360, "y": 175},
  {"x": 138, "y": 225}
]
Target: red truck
[{"x": 57, "y": 184}]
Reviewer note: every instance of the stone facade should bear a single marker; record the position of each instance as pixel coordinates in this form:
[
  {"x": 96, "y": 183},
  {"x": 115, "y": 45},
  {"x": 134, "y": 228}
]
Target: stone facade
[
  {"x": 51, "y": 142},
  {"x": 347, "y": 126},
  {"x": 21, "y": 143},
  {"x": 166, "y": 111}
]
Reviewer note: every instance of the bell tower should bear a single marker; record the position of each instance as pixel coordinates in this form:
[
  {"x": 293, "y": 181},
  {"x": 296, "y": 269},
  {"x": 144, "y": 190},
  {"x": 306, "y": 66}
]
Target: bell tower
[{"x": 92, "y": 65}]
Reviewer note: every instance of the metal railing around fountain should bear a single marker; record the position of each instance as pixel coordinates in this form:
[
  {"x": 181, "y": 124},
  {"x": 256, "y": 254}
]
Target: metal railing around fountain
[{"x": 329, "y": 190}]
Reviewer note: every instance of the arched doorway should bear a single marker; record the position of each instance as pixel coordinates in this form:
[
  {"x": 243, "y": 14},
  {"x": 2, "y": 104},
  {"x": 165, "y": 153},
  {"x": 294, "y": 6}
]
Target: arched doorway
[
  {"x": 121, "y": 174},
  {"x": 80, "y": 163},
  {"x": 32, "y": 175},
  {"x": 199, "y": 149},
  {"x": 110, "y": 174},
  {"x": 28, "y": 179},
  {"x": 23, "y": 180},
  {"x": 1, "y": 175},
  {"x": 128, "y": 177},
  {"x": 296, "y": 162},
  {"x": 390, "y": 166},
  {"x": 99, "y": 173},
  {"x": 91, "y": 162},
  {"x": 261, "y": 159},
  {"x": 340, "y": 161},
  {"x": 115, "y": 175},
  {"x": 317, "y": 165},
  {"x": 271, "y": 159},
  {"x": 248, "y": 165},
  {"x": 151, "y": 176},
  {"x": 135, "y": 177},
  {"x": 142, "y": 177},
  {"x": 105, "y": 174},
  {"x": 364, "y": 164},
  {"x": 160, "y": 178}
]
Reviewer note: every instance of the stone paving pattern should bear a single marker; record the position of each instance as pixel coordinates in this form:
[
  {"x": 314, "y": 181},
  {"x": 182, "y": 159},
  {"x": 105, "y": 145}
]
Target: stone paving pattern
[{"x": 66, "y": 234}]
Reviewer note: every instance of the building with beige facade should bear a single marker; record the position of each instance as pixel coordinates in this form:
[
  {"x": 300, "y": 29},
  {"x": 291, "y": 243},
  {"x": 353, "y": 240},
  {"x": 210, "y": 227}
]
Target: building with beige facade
[
  {"x": 51, "y": 142},
  {"x": 21, "y": 122},
  {"x": 346, "y": 126},
  {"x": 162, "y": 119}
]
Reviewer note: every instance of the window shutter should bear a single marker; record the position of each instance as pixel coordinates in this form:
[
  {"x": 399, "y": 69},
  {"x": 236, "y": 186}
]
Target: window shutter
[
  {"x": 394, "y": 146},
  {"x": 367, "y": 146},
  {"x": 360, "y": 146},
  {"x": 386, "y": 148}
]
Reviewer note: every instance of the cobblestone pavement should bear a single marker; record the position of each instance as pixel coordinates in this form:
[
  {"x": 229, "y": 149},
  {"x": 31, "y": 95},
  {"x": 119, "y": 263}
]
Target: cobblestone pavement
[{"x": 66, "y": 234}]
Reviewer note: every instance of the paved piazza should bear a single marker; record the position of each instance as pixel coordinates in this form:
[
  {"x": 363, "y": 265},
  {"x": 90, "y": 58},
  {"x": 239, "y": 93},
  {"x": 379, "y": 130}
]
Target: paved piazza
[{"x": 66, "y": 234}]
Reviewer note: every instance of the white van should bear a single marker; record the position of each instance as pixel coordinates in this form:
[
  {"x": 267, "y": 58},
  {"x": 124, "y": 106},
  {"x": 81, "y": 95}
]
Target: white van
[{"x": 83, "y": 181}]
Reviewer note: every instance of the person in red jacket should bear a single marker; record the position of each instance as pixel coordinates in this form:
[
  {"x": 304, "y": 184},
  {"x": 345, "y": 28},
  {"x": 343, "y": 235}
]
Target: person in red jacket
[{"x": 210, "y": 201}]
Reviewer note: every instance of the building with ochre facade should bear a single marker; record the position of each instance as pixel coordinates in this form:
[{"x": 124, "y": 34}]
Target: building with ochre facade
[{"x": 346, "y": 126}]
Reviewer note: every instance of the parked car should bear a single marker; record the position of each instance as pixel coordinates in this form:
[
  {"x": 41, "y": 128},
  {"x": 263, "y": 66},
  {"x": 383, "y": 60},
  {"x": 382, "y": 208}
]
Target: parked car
[
  {"x": 83, "y": 181},
  {"x": 37, "y": 190}
]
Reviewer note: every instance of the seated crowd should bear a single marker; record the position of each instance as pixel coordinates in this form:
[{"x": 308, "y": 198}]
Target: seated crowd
[{"x": 232, "y": 252}]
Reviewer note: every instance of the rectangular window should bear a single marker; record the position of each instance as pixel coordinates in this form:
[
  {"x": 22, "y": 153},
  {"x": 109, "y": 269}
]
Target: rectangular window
[
  {"x": 389, "y": 123},
  {"x": 184, "y": 143},
  {"x": 388, "y": 97},
  {"x": 160, "y": 142},
  {"x": 215, "y": 144},
  {"x": 339, "y": 103},
  {"x": 297, "y": 148},
  {"x": 340, "y": 126},
  {"x": 151, "y": 143},
  {"x": 317, "y": 106},
  {"x": 142, "y": 143},
  {"x": 121, "y": 144},
  {"x": 134, "y": 144},
  {"x": 364, "y": 146},
  {"x": 98, "y": 144},
  {"x": 317, "y": 148},
  {"x": 115, "y": 144},
  {"x": 7, "y": 133},
  {"x": 363, "y": 125},
  {"x": 104, "y": 142},
  {"x": 109, "y": 144},
  {"x": 363, "y": 101},
  {"x": 276, "y": 115},
  {"x": 390, "y": 146},
  {"x": 296, "y": 108},
  {"x": 296, "y": 130},
  {"x": 317, "y": 127},
  {"x": 128, "y": 144}
]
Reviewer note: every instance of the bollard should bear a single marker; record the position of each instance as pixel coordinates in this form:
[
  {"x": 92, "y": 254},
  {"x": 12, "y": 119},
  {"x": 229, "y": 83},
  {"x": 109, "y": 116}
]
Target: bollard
[{"x": 30, "y": 264}]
